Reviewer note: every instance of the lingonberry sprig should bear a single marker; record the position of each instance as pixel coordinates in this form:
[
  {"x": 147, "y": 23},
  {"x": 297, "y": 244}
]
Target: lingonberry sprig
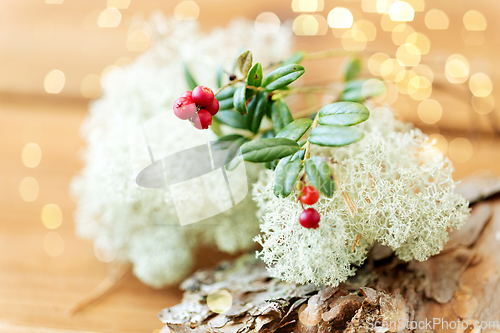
[{"x": 245, "y": 101}]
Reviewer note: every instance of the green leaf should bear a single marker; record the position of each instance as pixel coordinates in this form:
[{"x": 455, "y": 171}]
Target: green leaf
[
  {"x": 255, "y": 75},
  {"x": 283, "y": 76},
  {"x": 285, "y": 176},
  {"x": 343, "y": 113},
  {"x": 239, "y": 100},
  {"x": 191, "y": 83},
  {"x": 295, "y": 58},
  {"x": 225, "y": 98},
  {"x": 256, "y": 111},
  {"x": 231, "y": 118},
  {"x": 335, "y": 136},
  {"x": 215, "y": 127},
  {"x": 352, "y": 68},
  {"x": 296, "y": 129},
  {"x": 320, "y": 175},
  {"x": 267, "y": 150},
  {"x": 244, "y": 62},
  {"x": 280, "y": 114},
  {"x": 299, "y": 155},
  {"x": 220, "y": 71},
  {"x": 354, "y": 95},
  {"x": 267, "y": 134},
  {"x": 271, "y": 165}
]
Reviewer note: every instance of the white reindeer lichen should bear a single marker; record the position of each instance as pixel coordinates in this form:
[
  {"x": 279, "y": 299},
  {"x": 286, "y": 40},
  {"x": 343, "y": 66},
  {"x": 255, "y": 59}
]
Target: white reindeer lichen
[{"x": 402, "y": 188}]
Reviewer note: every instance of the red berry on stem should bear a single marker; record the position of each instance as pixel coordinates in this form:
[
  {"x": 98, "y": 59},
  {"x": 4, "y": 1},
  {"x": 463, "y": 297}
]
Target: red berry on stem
[
  {"x": 309, "y": 195},
  {"x": 203, "y": 96},
  {"x": 184, "y": 108},
  {"x": 202, "y": 119},
  {"x": 309, "y": 218},
  {"x": 214, "y": 107},
  {"x": 188, "y": 94}
]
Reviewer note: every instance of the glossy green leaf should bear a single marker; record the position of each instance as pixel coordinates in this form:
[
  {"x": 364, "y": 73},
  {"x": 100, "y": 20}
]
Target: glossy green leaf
[
  {"x": 280, "y": 114},
  {"x": 295, "y": 58},
  {"x": 231, "y": 118},
  {"x": 296, "y": 129},
  {"x": 352, "y": 68},
  {"x": 286, "y": 175},
  {"x": 239, "y": 100},
  {"x": 256, "y": 111},
  {"x": 267, "y": 150},
  {"x": 343, "y": 113},
  {"x": 225, "y": 98},
  {"x": 320, "y": 175},
  {"x": 335, "y": 136},
  {"x": 353, "y": 95},
  {"x": 267, "y": 134},
  {"x": 255, "y": 75},
  {"x": 191, "y": 83},
  {"x": 244, "y": 62},
  {"x": 283, "y": 76}
]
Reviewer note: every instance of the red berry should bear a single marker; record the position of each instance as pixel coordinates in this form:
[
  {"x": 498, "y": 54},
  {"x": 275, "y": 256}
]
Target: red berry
[
  {"x": 202, "y": 119},
  {"x": 188, "y": 94},
  {"x": 203, "y": 96},
  {"x": 309, "y": 218},
  {"x": 184, "y": 108},
  {"x": 214, "y": 107},
  {"x": 309, "y": 195}
]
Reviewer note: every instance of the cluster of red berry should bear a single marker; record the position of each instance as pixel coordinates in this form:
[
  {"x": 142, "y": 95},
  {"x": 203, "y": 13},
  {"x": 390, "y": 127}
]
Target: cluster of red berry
[
  {"x": 310, "y": 217},
  {"x": 198, "y": 106}
]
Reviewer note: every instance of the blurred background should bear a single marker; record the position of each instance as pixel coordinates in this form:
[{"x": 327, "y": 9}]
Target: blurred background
[{"x": 436, "y": 58}]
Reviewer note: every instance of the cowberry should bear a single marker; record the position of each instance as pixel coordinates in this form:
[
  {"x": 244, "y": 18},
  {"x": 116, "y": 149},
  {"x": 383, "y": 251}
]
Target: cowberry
[
  {"x": 309, "y": 218},
  {"x": 202, "y": 119},
  {"x": 213, "y": 108},
  {"x": 309, "y": 195},
  {"x": 184, "y": 108},
  {"x": 188, "y": 94},
  {"x": 203, "y": 96}
]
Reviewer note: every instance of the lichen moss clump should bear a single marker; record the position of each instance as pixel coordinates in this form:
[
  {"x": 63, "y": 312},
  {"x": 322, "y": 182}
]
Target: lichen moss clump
[{"x": 402, "y": 188}]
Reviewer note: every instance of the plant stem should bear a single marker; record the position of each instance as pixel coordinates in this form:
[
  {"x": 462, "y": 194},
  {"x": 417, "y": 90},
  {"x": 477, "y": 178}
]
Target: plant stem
[
  {"x": 308, "y": 144},
  {"x": 229, "y": 84}
]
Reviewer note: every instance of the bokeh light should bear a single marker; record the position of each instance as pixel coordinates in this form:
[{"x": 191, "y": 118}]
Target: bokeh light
[
  {"x": 430, "y": 111},
  {"x": 31, "y": 155},
  {"x": 54, "y": 81},
  {"x": 186, "y": 10},
  {"x": 424, "y": 71},
  {"x": 418, "y": 5},
  {"x": 384, "y": 6},
  {"x": 457, "y": 68},
  {"x": 54, "y": 2},
  {"x": 52, "y": 216},
  {"x": 375, "y": 63},
  {"x": 373, "y": 87},
  {"x": 29, "y": 189},
  {"x": 436, "y": 19},
  {"x": 310, "y": 25},
  {"x": 109, "y": 18},
  {"x": 353, "y": 41},
  {"x": 53, "y": 244},
  {"x": 408, "y": 55},
  {"x": 474, "y": 21},
  {"x": 369, "y": 6},
  {"x": 102, "y": 251},
  {"x": 267, "y": 23},
  {"x": 138, "y": 40},
  {"x": 219, "y": 301},
  {"x": 483, "y": 105},
  {"x": 368, "y": 29},
  {"x": 119, "y": 4},
  {"x": 387, "y": 24},
  {"x": 91, "y": 86},
  {"x": 390, "y": 69},
  {"x": 460, "y": 150},
  {"x": 421, "y": 41},
  {"x": 307, "y": 6},
  {"x": 401, "y": 11},
  {"x": 401, "y": 33},
  {"x": 480, "y": 85},
  {"x": 340, "y": 18},
  {"x": 473, "y": 37}
]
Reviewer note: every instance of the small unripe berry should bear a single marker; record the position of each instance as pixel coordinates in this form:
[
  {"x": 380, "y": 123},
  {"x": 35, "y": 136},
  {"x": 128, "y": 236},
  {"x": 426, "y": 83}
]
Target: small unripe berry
[
  {"x": 203, "y": 96},
  {"x": 214, "y": 107},
  {"x": 188, "y": 94},
  {"x": 309, "y": 195},
  {"x": 184, "y": 108},
  {"x": 309, "y": 218},
  {"x": 202, "y": 119}
]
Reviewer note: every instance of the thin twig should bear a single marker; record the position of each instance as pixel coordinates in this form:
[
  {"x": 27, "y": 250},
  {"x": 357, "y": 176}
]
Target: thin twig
[
  {"x": 229, "y": 84},
  {"x": 356, "y": 242},
  {"x": 308, "y": 144},
  {"x": 117, "y": 273}
]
